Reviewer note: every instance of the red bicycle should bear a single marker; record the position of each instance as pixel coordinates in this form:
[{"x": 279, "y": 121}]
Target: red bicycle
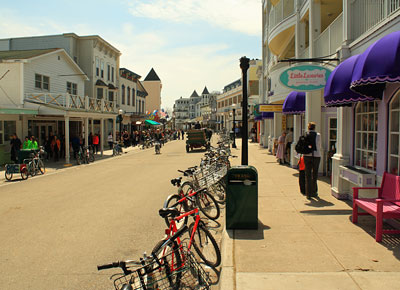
[{"x": 202, "y": 240}]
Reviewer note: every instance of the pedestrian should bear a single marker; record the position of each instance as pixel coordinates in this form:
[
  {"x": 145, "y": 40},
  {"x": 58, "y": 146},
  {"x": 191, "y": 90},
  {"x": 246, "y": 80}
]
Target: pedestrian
[
  {"x": 55, "y": 146},
  {"x": 16, "y": 146},
  {"x": 110, "y": 140},
  {"x": 280, "y": 152},
  {"x": 96, "y": 141},
  {"x": 27, "y": 143},
  {"x": 183, "y": 135},
  {"x": 302, "y": 175},
  {"x": 288, "y": 141},
  {"x": 312, "y": 160},
  {"x": 34, "y": 144},
  {"x": 253, "y": 134}
]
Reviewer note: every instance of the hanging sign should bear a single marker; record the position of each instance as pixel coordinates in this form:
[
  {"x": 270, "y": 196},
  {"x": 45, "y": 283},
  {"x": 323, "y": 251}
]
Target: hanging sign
[
  {"x": 305, "y": 77},
  {"x": 270, "y": 108}
]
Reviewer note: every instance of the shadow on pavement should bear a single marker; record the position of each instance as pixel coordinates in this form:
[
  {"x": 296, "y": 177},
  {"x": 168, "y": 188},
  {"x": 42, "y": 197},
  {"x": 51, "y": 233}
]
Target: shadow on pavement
[
  {"x": 319, "y": 202},
  {"x": 249, "y": 234},
  {"x": 328, "y": 212}
]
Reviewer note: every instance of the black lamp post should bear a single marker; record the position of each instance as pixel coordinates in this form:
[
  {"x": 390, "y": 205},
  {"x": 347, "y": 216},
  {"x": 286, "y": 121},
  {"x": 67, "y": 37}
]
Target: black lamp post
[
  {"x": 234, "y": 127},
  {"x": 244, "y": 65}
]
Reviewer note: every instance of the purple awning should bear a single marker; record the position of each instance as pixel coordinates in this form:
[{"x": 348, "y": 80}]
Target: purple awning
[
  {"x": 337, "y": 89},
  {"x": 295, "y": 103},
  {"x": 264, "y": 115},
  {"x": 377, "y": 66}
]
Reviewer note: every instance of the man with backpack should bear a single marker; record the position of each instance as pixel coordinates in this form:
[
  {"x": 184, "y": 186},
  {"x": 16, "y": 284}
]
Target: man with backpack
[{"x": 310, "y": 146}]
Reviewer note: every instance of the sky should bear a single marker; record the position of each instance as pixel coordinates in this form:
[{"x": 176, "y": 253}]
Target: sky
[{"x": 190, "y": 44}]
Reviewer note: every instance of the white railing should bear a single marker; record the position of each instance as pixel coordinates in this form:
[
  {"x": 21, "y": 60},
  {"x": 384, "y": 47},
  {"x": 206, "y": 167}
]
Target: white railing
[
  {"x": 330, "y": 39},
  {"x": 281, "y": 11},
  {"x": 365, "y": 14},
  {"x": 72, "y": 102}
]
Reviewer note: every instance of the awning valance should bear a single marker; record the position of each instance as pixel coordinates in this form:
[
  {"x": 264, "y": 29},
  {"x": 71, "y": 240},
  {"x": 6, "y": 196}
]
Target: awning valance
[
  {"x": 295, "y": 103},
  {"x": 337, "y": 89},
  {"x": 377, "y": 66},
  {"x": 151, "y": 122}
]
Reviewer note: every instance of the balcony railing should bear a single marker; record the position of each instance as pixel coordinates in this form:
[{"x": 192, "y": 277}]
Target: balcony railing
[
  {"x": 365, "y": 14},
  {"x": 281, "y": 11},
  {"x": 72, "y": 102},
  {"x": 330, "y": 39}
]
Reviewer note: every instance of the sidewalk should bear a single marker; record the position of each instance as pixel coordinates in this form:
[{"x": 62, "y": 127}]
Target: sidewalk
[{"x": 302, "y": 244}]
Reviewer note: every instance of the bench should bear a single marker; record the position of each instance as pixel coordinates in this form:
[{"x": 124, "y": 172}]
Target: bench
[{"x": 385, "y": 206}]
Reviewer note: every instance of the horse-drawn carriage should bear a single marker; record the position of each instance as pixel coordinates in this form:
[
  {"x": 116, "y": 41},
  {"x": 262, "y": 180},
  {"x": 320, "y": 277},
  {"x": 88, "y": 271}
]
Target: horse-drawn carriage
[{"x": 196, "y": 139}]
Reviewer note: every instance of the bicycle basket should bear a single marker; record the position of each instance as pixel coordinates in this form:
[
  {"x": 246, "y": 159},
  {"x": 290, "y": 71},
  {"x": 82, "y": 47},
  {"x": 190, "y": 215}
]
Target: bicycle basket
[{"x": 161, "y": 275}]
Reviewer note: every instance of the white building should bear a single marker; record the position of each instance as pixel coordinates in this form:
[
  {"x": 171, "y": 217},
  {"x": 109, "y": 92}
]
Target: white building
[{"x": 181, "y": 113}]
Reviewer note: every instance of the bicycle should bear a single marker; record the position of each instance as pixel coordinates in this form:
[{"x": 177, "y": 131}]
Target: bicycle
[
  {"x": 157, "y": 147},
  {"x": 202, "y": 240},
  {"x": 176, "y": 268},
  {"x": 81, "y": 156},
  {"x": 35, "y": 164},
  {"x": 117, "y": 149}
]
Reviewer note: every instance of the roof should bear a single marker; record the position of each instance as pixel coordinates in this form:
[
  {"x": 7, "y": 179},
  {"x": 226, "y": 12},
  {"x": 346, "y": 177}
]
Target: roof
[
  {"x": 194, "y": 94},
  {"x": 24, "y": 54},
  {"x": 152, "y": 76},
  {"x": 126, "y": 73},
  {"x": 141, "y": 91},
  {"x": 205, "y": 91}
]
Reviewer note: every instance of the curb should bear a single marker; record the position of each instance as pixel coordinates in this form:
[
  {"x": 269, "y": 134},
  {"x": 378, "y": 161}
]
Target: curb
[{"x": 228, "y": 275}]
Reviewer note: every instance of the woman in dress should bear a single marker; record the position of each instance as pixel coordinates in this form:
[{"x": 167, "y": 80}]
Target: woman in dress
[{"x": 280, "y": 153}]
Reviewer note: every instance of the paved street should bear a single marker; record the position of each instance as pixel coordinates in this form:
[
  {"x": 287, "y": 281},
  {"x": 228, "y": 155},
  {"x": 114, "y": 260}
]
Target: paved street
[{"x": 55, "y": 229}]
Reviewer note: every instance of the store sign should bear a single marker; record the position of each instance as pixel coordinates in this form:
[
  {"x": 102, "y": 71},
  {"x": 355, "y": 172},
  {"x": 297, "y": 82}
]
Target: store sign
[
  {"x": 305, "y": 77},
  {"x": 270, "y": 108}
]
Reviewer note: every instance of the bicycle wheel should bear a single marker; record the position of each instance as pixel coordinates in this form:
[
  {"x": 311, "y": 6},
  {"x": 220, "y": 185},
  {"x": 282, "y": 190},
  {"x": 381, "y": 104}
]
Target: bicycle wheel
[
  {"x": 8, "y": 175},
  {"x": 171, "y": 261},
  {"x": 187, "y": 187},
  {"x": 91, "y": 157},
  {"x": 79, "y": 159},
  {"x": 182, "y": 207},
  {"x": 219, "y": 193},
  {"x": 208, "y": 205},
  {"x": 31, "y": 168},
  {"x": 24, "y": 173},
  {"x": 41, "y": 167},
  {"x": 205, "y": 245}
]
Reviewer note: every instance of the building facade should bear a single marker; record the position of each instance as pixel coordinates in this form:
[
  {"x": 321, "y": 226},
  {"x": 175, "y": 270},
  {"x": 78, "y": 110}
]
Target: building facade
[{"x": 152, "y": 85}]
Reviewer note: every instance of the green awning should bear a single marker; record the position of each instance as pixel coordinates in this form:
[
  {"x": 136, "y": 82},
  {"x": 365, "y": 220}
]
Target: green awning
[
  {"x": 18, "y": 111},
  {"x": 151, "y": 122}
]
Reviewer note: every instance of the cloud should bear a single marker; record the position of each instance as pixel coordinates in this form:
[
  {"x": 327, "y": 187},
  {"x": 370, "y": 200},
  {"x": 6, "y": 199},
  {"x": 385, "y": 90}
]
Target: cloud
[{"x": 238, "y": 15}]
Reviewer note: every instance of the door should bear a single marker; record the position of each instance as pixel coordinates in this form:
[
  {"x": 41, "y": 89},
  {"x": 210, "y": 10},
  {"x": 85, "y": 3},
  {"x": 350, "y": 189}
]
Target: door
[{"x": 43, "y": 131}]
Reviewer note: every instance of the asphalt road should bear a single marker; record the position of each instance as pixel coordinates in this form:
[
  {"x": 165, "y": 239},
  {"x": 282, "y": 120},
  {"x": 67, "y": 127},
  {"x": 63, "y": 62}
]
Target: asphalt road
[{"x": 55, "y": 229}]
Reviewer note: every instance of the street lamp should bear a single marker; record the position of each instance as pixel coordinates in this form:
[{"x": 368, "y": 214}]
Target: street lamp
[
  {"x": 234, "y": 129},
  {"x": 120, "y": 112}
]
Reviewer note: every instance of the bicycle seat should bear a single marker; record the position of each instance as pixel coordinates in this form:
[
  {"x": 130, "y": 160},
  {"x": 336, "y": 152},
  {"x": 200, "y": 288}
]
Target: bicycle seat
[
  {"x": 169, "y": 212},
  {"x": 176, "y": 181}
]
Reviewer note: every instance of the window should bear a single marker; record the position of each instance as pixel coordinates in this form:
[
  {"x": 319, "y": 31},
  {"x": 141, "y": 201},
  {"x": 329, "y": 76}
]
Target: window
[
  {"x": 111, "y": 96},
  {"x": 394, "y": 136},
  {"x": 7, "y": 128},
  {"x": 332, "y": 134},
  {"x": 112, "y": 74},
  {"x": 97, "y": 66},
  {"x": 133, "y": 96},
  {"x": 128, "y": 95},
  {"x": 123, "y": 95},
  {"x": 108, "y": 72},
  {"x": 366, "y": 135},
  {"x": 42, "y": 82},
  {"x": 99, "y": 93},
  {"x": 102, "y": 68},
  {"x": 72, "y": 88}
]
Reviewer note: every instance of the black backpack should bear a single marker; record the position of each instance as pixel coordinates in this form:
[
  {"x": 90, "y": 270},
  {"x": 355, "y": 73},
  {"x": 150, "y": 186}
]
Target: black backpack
[{"x": 306, "y": 143}]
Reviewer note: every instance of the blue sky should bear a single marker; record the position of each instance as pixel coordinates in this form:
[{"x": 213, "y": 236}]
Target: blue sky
[{"x": 190, "y": 44}]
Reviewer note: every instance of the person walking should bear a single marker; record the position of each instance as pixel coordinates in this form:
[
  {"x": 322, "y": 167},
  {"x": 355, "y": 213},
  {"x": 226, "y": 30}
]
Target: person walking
[
  {"x": 280, "y": 152},
  {"x": 16, "y": 145},
  {"x": 110, "y": 140},
  {"x": 183, "y": 134},
  {"x": 288, "y": 144},
  {"x": 312, "y": 160},
  {"x": 96, "y": 141},
  {"x": 55, "y": 146}
]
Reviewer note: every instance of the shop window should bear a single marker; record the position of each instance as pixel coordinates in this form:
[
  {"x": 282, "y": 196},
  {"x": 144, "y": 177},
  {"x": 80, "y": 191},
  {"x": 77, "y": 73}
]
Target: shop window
[
  {"x": 366, "y": 134},
  {"x": 394, "y": 136}
]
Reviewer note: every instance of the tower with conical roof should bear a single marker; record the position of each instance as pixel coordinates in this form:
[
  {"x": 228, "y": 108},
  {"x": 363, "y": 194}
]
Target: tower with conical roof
[
  {"x": 204, "y": 96},
  {"x": 152, "y": 84}
]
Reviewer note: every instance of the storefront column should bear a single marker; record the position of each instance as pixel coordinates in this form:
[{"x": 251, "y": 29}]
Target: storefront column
[
  {"x": 92, "y": 126},
  {"x": 340, "y": 187},
  {"x": 114, "y": 129},
  {"x": 296, "y": 136},
  {"x": 86, "y": 131},
  {"x": 271, "y": 133},
  {"x": 66, "y": 129},
  {"x": 101, "y": 136}
]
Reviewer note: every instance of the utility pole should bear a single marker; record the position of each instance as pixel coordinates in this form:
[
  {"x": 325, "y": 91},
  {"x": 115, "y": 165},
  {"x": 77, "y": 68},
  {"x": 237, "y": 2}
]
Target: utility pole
[{"x": 244, "y": 65}]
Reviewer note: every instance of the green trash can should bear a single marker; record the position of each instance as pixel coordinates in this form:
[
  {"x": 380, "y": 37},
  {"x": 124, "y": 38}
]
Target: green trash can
[{"x": 242, "y": 198}]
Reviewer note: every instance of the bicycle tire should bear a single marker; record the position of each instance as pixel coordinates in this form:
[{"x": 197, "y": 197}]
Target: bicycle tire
[
  {"x": 219, "y": 193},
  {"x": 91, "y": 157},
  {"x": 208, "y": 205},
  {"x": 182, "y": 207},
  {"x": 205, "y": 245},
  {"x": 24, "y": 173},
  {"x": 31, "y": 168},
  {"x": 41, "y": 167},
  {"x": 172, "y": 251},
  {"x": 8, "y": 176},
  {"x": 186, "y": 187}
]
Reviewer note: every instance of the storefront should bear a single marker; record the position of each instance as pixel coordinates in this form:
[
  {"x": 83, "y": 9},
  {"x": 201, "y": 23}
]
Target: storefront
[{"x": 365, "y": 88}]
